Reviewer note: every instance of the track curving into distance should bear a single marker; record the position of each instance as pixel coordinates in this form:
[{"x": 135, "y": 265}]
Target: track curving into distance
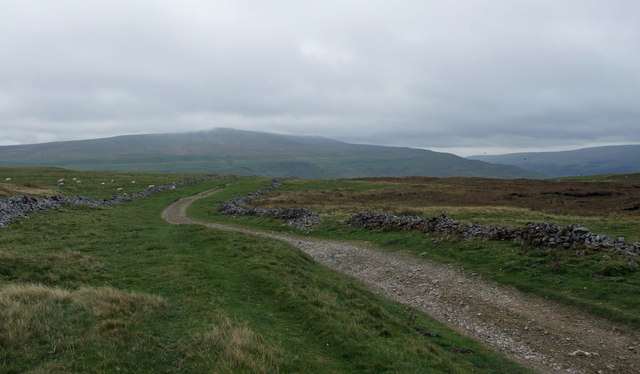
[{"x": 544, "y": 335}]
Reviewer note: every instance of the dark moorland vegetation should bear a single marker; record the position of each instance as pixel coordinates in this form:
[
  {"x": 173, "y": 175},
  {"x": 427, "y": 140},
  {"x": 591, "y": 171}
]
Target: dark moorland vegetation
[
  {"x": 120, "y": 290},
  {"x": 598, "y": 281}
]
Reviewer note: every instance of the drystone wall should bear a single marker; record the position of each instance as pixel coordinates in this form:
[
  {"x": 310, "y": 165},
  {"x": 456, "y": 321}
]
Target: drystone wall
[
  {"x": 540, "y": 234},
  {"x": 297, "y": 217},
  {"x": 18, "y": 206}
]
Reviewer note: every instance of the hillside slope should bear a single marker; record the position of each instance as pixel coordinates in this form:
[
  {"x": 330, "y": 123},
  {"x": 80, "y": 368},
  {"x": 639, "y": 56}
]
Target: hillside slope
[
  {"x": 623, "y": 159},
  {"x": 250, "y": 153}
]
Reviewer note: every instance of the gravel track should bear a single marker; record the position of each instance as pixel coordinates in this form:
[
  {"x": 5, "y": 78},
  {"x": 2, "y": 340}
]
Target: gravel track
[{"x": 544, "y": 335}]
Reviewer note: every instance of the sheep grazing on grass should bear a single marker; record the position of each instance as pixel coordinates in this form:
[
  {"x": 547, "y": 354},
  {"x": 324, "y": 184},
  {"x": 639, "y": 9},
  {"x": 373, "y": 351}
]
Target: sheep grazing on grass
[
  {"x": 17, "y": 206},
  {"x": 8, "y": 179}
]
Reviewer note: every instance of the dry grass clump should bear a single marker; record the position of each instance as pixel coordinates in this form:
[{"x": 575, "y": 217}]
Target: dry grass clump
[
  {"x": 231, "y": 346},
  {"x": 37, "y": 320},
  {"x": 107, "y": 302},
  {"x": 9, "y": 189}
]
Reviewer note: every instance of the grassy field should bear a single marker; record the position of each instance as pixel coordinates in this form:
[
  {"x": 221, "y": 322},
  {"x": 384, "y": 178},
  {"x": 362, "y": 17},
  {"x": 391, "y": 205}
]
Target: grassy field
[
  {"x": 43, "y": 181},
  {"x": 597, "y": 281},
  {"x": 119, "y": 290}
]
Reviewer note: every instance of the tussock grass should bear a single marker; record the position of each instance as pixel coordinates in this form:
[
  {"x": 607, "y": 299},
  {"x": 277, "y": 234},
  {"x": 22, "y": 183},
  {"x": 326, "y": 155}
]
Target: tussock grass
[
  {"x": 8, "y": 189},
  {"x": 232, "y": 346},
  {"x": 51, "y": 268},
  {"x": 38, "y": 321}
]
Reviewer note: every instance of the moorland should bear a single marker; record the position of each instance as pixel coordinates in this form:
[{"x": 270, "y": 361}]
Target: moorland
[
  {"x": 119, "y": 289},
  {"x": 230, "y": 151}
]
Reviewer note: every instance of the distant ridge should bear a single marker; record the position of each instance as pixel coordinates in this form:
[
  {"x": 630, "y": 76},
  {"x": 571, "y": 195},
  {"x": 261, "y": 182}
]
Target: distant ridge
[
  {"x": 250, "y": 153},
  {"x": 619, "y": 159}
]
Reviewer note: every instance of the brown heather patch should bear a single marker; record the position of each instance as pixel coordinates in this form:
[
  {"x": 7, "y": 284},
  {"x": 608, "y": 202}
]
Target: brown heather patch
[{"x": 557, "y": 197}]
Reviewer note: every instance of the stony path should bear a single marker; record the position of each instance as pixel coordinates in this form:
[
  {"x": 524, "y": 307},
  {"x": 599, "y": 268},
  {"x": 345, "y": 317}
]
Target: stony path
[{"x": 542, "y": 334}]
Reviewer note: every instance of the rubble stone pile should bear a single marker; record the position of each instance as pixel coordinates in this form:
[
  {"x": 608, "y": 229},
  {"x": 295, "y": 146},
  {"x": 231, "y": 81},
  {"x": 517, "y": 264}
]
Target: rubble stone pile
[
  {"x": 18, "y": 206},
  {"x": 295, "y": 217},
  {"x": 540, "y": 234}
]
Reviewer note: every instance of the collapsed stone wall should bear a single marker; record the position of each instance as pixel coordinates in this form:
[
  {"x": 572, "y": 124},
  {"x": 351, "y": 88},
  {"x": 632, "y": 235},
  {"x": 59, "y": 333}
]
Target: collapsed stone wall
[
  {"x": 18, "y": 206},
  {"x": 541, "y": 234},
  {"x": 296, "y": 217}
]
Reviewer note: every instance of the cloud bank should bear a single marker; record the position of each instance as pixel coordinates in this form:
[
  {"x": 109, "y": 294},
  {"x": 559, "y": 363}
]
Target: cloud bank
[{"x": 469, "y": 76}]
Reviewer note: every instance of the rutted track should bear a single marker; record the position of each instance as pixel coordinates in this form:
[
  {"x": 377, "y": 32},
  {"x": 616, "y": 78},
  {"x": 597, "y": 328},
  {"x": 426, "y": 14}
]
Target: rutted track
[{"x": 544, "y": 335}]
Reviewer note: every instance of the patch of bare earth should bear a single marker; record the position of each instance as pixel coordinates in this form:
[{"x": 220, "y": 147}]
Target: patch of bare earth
[{"x": 542, "y": 334}]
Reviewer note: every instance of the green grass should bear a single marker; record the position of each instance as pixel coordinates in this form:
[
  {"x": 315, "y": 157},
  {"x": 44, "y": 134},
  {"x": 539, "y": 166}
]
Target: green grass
[
  {"x": 596, "y": 281},
  {"x": 98, "y": 185},
  {"x": 612, "y": 226},
  {"x": 120, "y": 290},
  {"x": 248, "y": 153}
]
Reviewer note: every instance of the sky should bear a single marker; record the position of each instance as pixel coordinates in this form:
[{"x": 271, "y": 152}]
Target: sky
[{"x": 467, "y": 77}]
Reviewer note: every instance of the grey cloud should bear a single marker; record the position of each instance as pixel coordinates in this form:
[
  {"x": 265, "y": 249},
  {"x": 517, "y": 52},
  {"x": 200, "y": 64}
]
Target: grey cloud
[{"x": 455, "y": 74}]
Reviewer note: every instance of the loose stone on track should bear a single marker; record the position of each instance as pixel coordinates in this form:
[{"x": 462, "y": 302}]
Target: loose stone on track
[{"x": 540, "y": 333}]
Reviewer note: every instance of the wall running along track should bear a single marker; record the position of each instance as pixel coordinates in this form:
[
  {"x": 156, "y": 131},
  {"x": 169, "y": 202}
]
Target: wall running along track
[
  {"x": 544, "y": 335},
  {"x": 18, "y": 206}
]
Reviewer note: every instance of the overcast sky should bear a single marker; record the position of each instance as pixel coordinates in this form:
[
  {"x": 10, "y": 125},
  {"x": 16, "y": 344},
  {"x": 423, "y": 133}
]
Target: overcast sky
[{"x": 467, "y": 77}]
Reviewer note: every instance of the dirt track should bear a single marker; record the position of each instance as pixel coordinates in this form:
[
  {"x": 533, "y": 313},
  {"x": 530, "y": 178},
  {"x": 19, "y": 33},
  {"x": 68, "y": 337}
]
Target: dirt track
[{"x": 542, "y": 334}]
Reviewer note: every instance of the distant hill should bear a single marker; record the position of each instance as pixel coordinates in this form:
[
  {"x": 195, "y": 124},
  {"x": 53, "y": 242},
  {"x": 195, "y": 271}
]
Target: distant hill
[
  {"x": 250, "y": 153},
  {"x": 620, "y": 159}
]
